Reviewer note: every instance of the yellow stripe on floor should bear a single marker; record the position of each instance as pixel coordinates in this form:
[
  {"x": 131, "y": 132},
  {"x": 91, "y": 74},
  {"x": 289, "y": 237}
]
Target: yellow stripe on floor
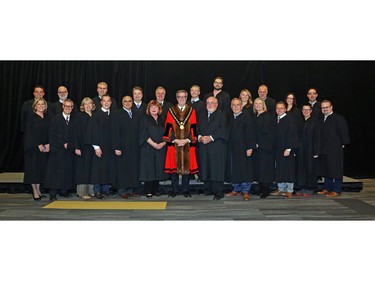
[{"x": 80, "y": 205}]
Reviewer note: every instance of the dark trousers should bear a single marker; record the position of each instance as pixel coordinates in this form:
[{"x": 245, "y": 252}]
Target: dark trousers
[
  {"x": 152, "y": 187},
  {"x": 185, "y": 183},
  {"x": 264, "y": 188},
  {"x": 53, "y": 192},
  {"x": 214, "y": 187},
  {"x": 331, "y": 184}
]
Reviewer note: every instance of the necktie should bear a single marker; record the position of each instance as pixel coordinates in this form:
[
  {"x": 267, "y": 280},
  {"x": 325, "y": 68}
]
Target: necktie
[
  {"x": 325, "y": 118},
  {"x": 108, "y": 112},
  {"x": 278, "y": 119},
  {"x": 67, "y": 120},
  {"x": 182, "y": 109},
  {"x": 209, "y": 115},
  {"x": 138, "y": 106},
  {"x": 130, "y": 114}
]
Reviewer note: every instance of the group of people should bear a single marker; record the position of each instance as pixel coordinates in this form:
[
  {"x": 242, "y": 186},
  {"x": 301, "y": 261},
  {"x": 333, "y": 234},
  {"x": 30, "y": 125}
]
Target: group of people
[{"x": 100, "y": 148}]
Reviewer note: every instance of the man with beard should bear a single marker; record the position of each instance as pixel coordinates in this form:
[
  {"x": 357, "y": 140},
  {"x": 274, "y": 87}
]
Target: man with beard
[
  {"x": 222, "y": 97},
  {"x": 57, "y": 107},
  {"x": 213, "y": 138}
]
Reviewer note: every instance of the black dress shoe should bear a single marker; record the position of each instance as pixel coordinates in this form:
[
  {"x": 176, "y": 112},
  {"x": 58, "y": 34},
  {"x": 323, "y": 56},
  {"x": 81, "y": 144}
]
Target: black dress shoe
[
  {"x": 149, "y": 195},
  {"x": 98, "y": 195},
  {"x": 187, "y": 194},
  {"x": 263, "y": 195},
  {"x": 66, "y": 195},
  {"x": 172, "y": 194}
]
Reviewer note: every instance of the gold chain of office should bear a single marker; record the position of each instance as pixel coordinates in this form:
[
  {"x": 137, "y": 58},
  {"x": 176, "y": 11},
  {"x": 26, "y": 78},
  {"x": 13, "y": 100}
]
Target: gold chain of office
[{"x": 178, "y": 121}]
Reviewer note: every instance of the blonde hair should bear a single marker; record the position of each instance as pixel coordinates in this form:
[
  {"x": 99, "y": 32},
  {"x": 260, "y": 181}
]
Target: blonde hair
[
  {"x": 36, "y": 102},
  {"x": 86, "y": 99},
  {"x": 263, "y": 102}
]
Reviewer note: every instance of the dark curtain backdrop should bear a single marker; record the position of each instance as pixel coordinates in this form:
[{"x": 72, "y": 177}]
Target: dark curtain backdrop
[{"x": 348, "y": 84}]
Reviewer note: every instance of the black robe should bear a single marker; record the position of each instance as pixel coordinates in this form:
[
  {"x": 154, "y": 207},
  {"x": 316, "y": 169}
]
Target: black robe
[
  {"x": 98, "y": 105},
  {"x": 317, "y": 111},
  {"x": 36, "y": 133},
  {"x": 60, "y": 169},
  {"x": 82, "y": 162},
  {"x": 263, "y": 156},
  {"x": 141, "y": 110},
  {"x": 271, "y": 105},
  {"x": 27, "y": 112},
  {"x": 56, "y": 108},
  {"x": 309, "y": 145},
  {"x": 286, "y": 136},
  {"x": 125, "y": 137},
  {"x": 152, "y": 161},
  {"x": 99, "y": 133},
  {"x": 199, "y": 107},
  {"x": 241, "y": 138},
  {"x": 166, "y": 105},
  {"x": 223, "y": 99},
  {"x": 334, "y": 134},
  {"x": 213, "y": 156}
]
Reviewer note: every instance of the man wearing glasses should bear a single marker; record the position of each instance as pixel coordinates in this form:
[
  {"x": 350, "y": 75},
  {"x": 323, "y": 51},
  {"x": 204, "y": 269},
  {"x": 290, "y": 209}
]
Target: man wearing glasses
[
  {"x": 181, "y": 138},
  {"x": 57, "y": 107},
  {"x": 334, "y": 137},
  {"x": 59, "y": 175},
  {"x": 222, "y": 97}
]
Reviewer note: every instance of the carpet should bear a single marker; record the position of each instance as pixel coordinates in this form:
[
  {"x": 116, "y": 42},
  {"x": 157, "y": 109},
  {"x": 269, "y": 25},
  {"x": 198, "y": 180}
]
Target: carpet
[{"x": 81, "y": 205}]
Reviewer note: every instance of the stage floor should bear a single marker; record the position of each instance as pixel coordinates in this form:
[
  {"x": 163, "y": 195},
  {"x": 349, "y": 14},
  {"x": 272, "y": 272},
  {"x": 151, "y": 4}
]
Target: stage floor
[{"x": 349, "y": 206}]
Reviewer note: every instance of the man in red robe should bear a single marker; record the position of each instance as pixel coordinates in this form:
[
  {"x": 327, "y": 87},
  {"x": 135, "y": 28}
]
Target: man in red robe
[{"x": 181, "y": 137}]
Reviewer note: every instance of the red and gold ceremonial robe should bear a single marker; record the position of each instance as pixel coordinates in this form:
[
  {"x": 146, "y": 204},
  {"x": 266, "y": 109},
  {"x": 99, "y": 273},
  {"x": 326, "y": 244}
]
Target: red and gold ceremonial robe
[{"x": 181, "y": 125}]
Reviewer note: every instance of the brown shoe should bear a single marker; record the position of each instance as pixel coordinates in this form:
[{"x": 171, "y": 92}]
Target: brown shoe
[
  {"x": 323, "y": 192},
  {"x": 246, "y": 197},
  {"x": 231, "y": 194},
  {"x": 125, "y": 196},
  {"x": 333, "y": 194},
  {"x": 277, "y": 193},
  {"x": 288, "y": 195}
]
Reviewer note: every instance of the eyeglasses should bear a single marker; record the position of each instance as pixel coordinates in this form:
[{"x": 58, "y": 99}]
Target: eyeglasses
[
  {"x": 182, "y": 97},
  {"x": 68, "y": 106},
  {"x": 311, "y": 93},
  {"x": 64, "y": 92},
  {"x": 127, "y": 101},
  {"x": 326, "y": 107}
]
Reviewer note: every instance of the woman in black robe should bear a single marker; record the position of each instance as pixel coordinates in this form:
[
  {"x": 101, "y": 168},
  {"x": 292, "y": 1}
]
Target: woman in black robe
[
  {"x": 263, "y": 154},
  {"x": 36, "y": 147},
  {"x": 83, "y": 152},
  {"x": 307, "y": 154},
  {"x": 153, "y": 149},
  {"x": 291, "y": 107}
]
